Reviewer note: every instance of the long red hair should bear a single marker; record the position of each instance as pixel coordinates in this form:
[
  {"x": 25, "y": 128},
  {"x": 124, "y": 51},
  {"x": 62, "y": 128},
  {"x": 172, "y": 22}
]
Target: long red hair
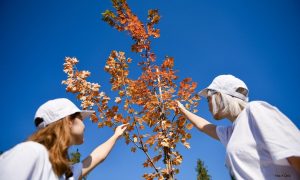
[{"x": 56, "y": 137}]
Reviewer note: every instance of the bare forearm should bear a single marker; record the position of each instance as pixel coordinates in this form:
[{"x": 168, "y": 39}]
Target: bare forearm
[
  {"x": 101, "y": 152},
  {"x": 201, "y": 123},
  {"x": 98, "y": 155},
  {"x": 198, "y": 121}
]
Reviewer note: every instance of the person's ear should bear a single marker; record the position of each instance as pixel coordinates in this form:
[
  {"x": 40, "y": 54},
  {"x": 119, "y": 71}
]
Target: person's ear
[
  {"x": 218, "y": 95},
  {"x": 242, "y": 91},
  {"x": 69, "y": 122}
]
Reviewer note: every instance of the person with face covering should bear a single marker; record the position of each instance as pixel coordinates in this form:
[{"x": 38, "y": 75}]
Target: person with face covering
[
  {"x": 44, "y": 156},
  {"x": 261, "y": 143}
]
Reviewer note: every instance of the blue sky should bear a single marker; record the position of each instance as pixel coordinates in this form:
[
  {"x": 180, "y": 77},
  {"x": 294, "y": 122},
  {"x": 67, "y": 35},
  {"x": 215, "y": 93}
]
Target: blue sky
[{"x": 257, "y": 41}]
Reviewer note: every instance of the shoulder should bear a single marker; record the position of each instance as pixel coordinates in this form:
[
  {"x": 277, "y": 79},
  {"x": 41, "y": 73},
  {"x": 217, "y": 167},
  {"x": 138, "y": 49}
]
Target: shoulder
[
  {"x": 26, "y": 152},
  {"x": 266, "y": 114},
  {"x": 257, "y": 110},
  {"x": 250, "y": 109},
  {"x": 259, "y": 105},
  {"x": 32, "y": 147}
]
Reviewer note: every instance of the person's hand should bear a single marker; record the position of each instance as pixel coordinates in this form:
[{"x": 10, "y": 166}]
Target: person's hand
[
  {"x": 180, "y": 106},
  {"x": 120, "y": 130}
]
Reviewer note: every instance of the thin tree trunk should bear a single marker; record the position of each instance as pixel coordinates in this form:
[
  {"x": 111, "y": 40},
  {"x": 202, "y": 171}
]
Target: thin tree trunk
[{"x": 167, "y": 150}]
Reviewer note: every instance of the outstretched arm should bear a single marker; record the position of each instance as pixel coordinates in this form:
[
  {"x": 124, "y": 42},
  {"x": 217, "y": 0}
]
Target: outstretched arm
[
  {"x": 202, "y": 124},
  {"x": 101, "y": 152}
]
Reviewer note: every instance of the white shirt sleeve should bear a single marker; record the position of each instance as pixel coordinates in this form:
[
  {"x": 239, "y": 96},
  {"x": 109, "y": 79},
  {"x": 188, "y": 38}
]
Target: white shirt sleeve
[
  {"x": 224, "y": 134},
  {"x": 277, "y": 132},
  {"x": 77, "y": 170}
]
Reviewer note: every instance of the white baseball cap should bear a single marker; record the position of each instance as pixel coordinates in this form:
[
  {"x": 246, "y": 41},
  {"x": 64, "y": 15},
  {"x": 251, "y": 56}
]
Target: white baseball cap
[
  {"x": 56, "y": 109},
  {"x": 228, "y": 84}
]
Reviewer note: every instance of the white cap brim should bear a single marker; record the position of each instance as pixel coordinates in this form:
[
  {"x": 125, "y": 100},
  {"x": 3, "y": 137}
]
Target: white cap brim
[
  {"x": 203, "y": 92},
  {"x": 86, "y": 113}
]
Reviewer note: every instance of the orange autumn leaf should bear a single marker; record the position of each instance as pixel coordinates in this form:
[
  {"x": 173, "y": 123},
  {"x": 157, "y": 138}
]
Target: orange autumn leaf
[
  {"x": 189, "y": 126},
  {"x": 168, "y": 63},
  {"x": 118, "y": 100}
]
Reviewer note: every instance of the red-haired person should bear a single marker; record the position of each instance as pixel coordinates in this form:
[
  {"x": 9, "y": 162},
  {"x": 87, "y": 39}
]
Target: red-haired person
[{"x": 44, "y": 156}]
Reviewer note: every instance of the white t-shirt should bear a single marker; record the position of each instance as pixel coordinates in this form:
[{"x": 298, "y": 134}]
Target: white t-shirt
[
  {"x": 30, "y": 160},
  {"x": 258, "y": 143}
]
